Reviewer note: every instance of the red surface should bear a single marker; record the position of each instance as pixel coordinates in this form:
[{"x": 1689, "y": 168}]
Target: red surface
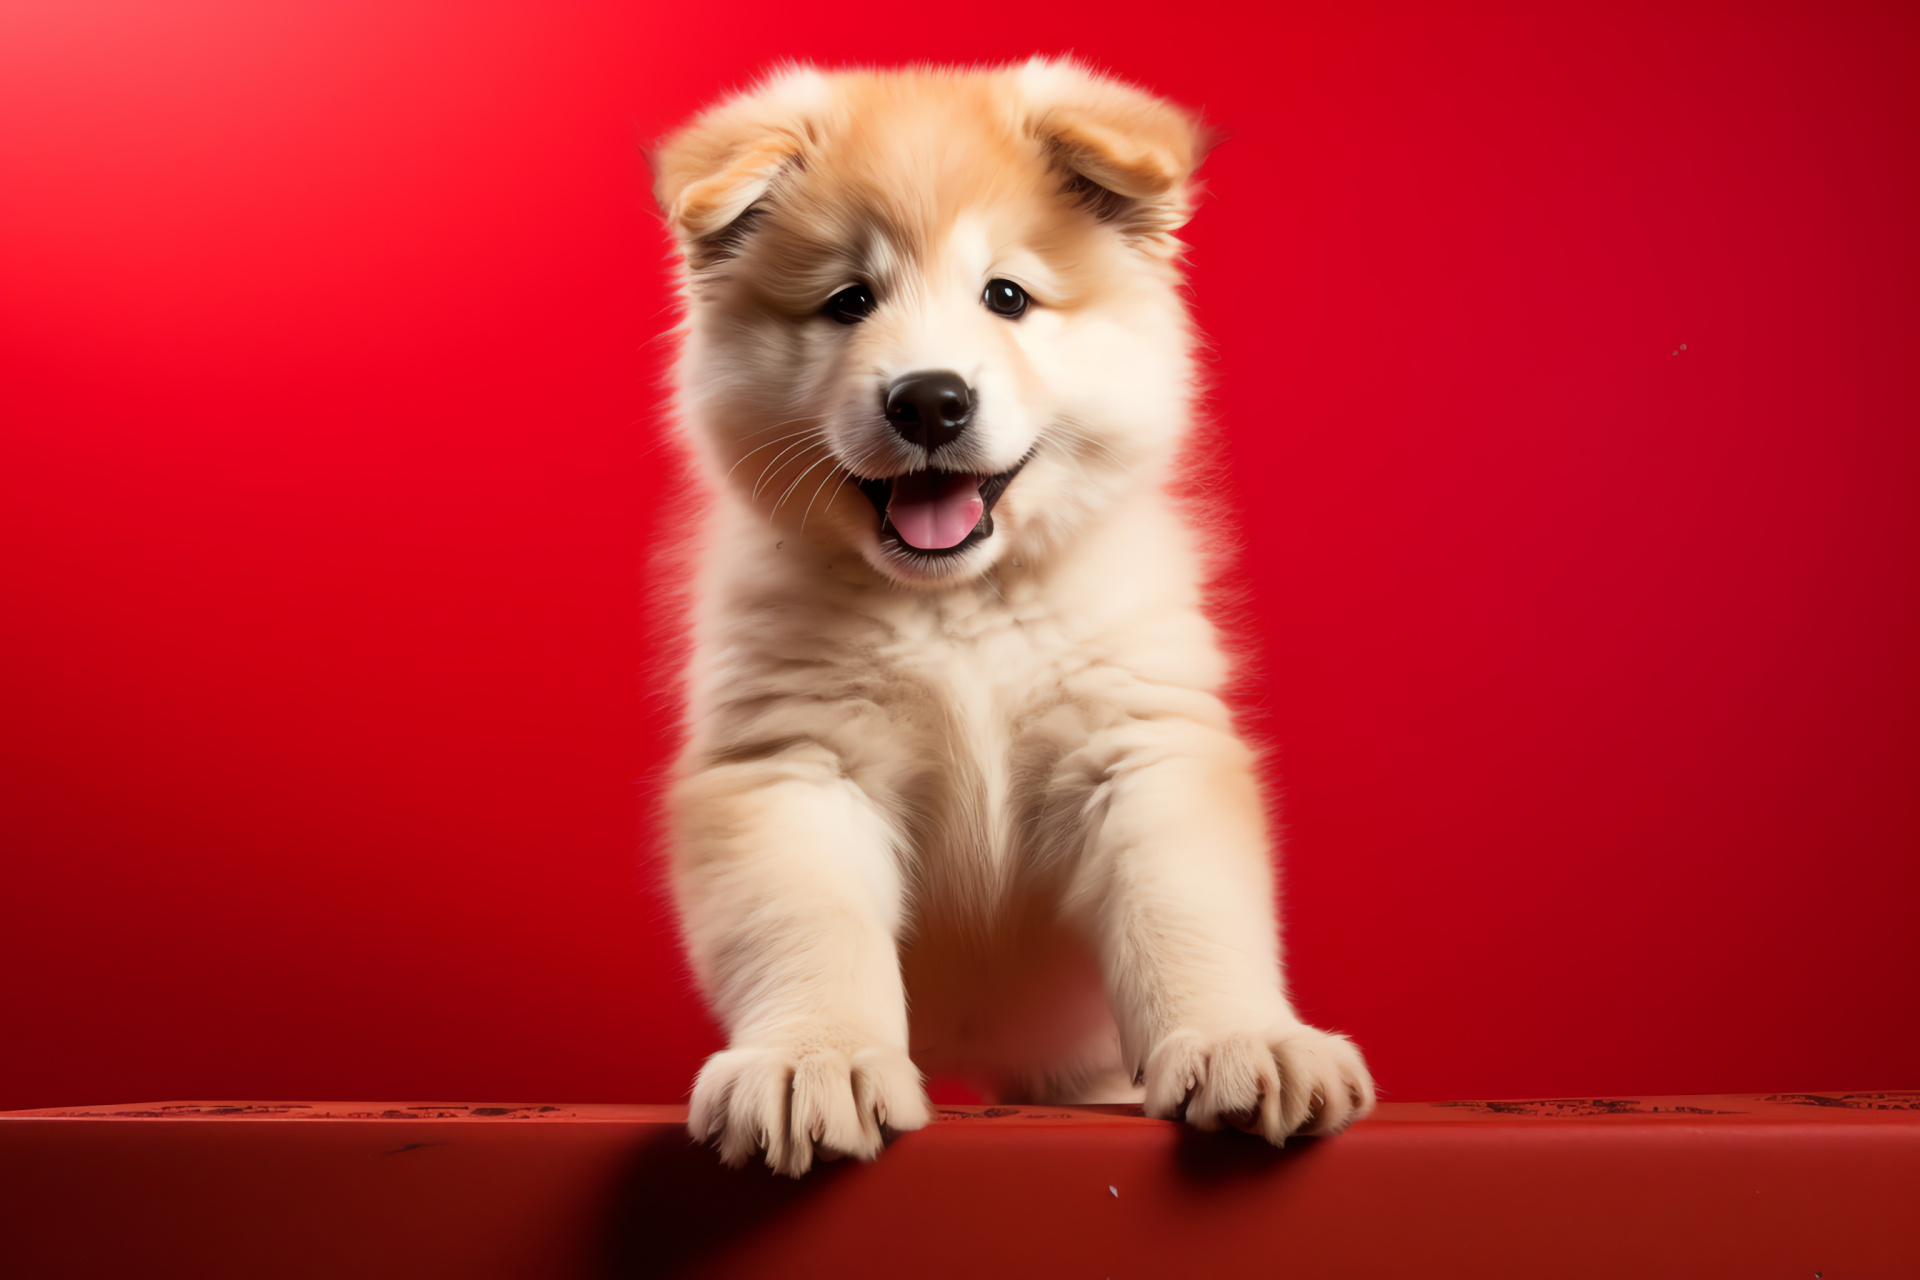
[
  {"x": 1689, "y": 1188},
  {"x": 328, "y": 387}
]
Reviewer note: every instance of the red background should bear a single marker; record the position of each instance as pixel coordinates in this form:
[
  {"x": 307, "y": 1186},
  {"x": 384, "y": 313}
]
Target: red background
[{"x": 329, "y": 374}]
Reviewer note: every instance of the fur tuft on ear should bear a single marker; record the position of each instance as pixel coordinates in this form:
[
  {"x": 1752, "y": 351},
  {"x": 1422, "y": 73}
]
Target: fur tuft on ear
[
  {"x": 709, "y": 173},
  {"x": 1131, "y": 155}
]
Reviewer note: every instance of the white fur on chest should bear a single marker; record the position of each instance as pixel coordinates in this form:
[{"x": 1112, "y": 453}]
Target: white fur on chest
[{"x": 951, "y": 708}]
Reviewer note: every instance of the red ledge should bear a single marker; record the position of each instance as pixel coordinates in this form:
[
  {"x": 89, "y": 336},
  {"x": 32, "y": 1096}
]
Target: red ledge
[{"x": 1789, "y": 1185}]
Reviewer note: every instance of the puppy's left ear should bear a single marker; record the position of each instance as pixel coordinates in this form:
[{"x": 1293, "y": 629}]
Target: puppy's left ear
[
  {"x": 1129, "y": 155},
  {"x": 708, "y": 174}
]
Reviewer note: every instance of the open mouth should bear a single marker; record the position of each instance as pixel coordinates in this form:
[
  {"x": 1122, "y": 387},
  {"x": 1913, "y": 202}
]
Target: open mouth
[{"x": 937, "y": 513}]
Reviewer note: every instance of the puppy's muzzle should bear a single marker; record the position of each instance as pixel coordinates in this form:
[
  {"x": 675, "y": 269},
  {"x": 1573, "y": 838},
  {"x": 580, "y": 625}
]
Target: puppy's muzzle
[{"x": 929, "y": 409}]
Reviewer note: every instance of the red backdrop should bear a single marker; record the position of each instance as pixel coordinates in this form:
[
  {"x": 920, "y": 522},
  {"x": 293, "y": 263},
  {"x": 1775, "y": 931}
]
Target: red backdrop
[{"x": 329, "y": 385}]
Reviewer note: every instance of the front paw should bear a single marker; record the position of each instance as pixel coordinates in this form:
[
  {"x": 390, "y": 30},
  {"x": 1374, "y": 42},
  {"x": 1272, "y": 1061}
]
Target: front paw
[
  {"x": 809, "y": 1099},
  {"x": 1291, "y": 1079}
]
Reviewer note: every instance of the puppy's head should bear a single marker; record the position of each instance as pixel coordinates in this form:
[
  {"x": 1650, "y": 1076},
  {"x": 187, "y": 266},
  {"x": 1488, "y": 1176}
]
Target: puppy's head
[{"x": 933, "y": 316}]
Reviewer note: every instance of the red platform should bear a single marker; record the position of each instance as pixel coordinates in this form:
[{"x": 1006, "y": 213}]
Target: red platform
[{"x": 1787, "y": 1185}]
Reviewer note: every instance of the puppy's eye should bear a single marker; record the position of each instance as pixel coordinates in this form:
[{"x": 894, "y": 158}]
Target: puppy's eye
[
  {"x": 852, "y": 304},
  {"x": 1005, "y": 298}
]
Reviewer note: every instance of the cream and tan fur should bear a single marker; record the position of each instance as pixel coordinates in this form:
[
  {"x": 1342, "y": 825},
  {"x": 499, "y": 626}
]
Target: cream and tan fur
[{"x": 982, "y": 813}]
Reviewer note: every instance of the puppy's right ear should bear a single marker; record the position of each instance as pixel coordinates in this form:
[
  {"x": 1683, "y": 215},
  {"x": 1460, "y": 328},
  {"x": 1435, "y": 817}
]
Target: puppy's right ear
[{"x": 708, "y": 174}]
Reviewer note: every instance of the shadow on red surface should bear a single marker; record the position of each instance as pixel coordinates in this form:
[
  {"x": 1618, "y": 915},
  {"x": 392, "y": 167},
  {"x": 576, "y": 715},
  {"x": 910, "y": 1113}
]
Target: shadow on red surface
[
  {"x": 676, "y": 1207},
  {"x": 1696, "y": 1187}
]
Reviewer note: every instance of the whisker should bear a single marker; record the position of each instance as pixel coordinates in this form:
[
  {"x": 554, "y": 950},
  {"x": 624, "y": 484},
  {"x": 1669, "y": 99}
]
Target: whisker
[
  {"x": 1083, "y": 441},
  {"x": 846, "y": 474},
  {"x": 817, "y": 489},
  {"x": 773, "y": 465},
  {"x": 784, "y": 422},
  {"x": 768, "y": 445},
  {"x": 788, "y": 491}
]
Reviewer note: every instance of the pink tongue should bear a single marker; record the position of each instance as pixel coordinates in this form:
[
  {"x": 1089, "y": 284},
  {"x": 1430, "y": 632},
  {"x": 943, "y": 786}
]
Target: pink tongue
[{"x": 933, "y": 510}]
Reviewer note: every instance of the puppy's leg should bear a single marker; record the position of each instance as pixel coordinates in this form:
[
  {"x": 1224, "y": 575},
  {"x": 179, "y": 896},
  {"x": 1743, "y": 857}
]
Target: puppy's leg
[
  {"x": 791, "y": 901},
  {"x": 1178, "y": 891}
]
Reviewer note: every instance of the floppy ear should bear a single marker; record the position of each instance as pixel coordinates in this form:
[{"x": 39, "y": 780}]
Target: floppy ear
[
  {"x": 1131, "y": 156},
  {"x": 708, "y": 174}
]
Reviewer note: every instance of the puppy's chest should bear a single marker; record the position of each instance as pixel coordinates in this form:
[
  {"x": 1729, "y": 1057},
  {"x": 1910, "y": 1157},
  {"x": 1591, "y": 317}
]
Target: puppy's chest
[
  {"x": 1002, "y": 715},
  {"x": 987, "y": 677}
]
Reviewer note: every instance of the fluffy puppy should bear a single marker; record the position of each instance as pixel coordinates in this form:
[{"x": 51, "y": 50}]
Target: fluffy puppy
[{"x": 960, "y": 792}]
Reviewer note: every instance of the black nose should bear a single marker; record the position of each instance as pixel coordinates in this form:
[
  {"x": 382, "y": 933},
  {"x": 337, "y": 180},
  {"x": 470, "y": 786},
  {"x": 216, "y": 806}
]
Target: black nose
[{"x": 929, "y": 408}]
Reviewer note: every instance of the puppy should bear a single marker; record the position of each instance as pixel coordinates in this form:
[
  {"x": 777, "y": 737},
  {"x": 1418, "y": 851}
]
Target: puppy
[{"x": 960, "y": 792}]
